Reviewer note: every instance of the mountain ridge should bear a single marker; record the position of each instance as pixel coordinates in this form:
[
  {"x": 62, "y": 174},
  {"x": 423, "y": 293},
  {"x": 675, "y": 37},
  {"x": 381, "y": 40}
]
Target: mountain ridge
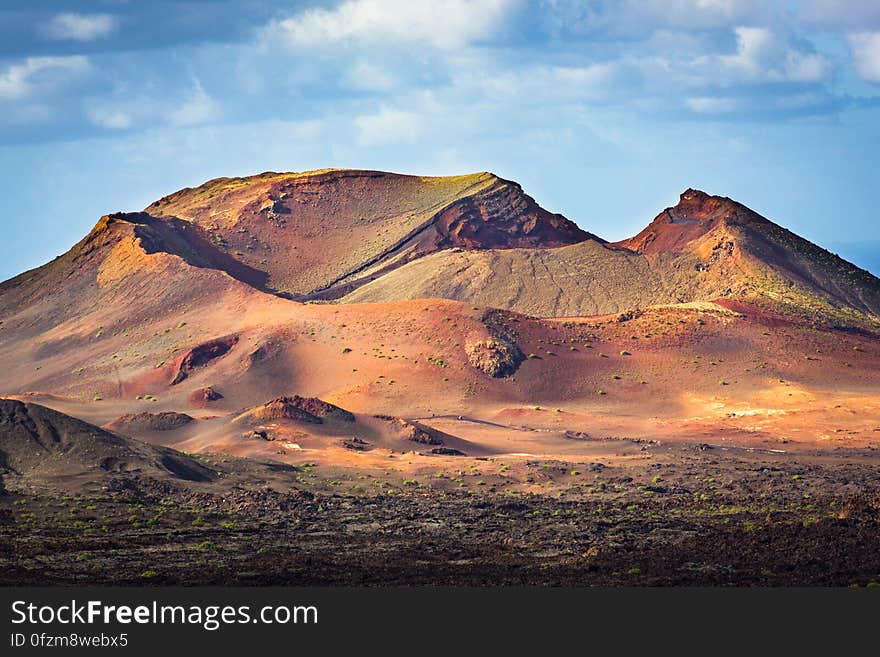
[
  {"x": 360, "y": 221},
  {"x": 355, "y": 236}
]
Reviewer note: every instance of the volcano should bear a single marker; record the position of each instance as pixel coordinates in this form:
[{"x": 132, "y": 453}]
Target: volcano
[
  {"x": 307, "y": 349},
  {"x": 371, "y": 289},
  {"x": 705, "y": 248}
]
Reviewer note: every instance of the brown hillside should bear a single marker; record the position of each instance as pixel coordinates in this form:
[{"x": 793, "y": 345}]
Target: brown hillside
[
  {"x": 705, "y": 248},
  {"x": 588, "y": 278},
  {"x": 39, "y": 443},
  {"x": 311, "y": 233},
  {"x": 778, "y": 264}
]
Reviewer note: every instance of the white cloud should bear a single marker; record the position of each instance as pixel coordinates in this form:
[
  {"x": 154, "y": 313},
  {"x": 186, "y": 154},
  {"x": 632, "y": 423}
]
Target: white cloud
[
  {"x": 583, "y": 79},
  {"x": 127, "y": 111},
  {"x": 113, "y": 119},
  {"x": 369, "y": 77},
  {"x": 761, "y": 55},
  {"x": 388, "y": 126},
  {"x": 641, "y": 17},
  {"x": 805, "y": 67},
  {"x": 856, "y": 14},
  {"x": 446, "y": 24},
  {"x": 712, "y": 105},
  {"x": 539, "y": 84},
  {"x": 19, "y": 80},
  {"x": 198, "y": 108},
  {"x": 81, "y": 27},
  {"x": 865, "y": 48}
]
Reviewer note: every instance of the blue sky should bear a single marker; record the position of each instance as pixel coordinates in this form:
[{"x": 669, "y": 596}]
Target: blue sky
[{"x": 603, "y": 110}]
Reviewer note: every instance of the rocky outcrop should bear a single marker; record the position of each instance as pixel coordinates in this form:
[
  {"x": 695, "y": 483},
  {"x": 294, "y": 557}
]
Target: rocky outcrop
[
  {"x": 413, "y": 431},
  {"x": 502, "y": 216},
  {"x": 204, "y": 396},
  {"x": 497, "y": 356},
  {"x": 202, "y": 355},
  {"x": 300, "y": 409},
  {"x": 136, "y": 423}
]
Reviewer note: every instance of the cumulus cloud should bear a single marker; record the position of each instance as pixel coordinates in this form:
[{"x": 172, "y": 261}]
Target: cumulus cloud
[
  {"x": 446, "y": 24},
  {"x": 81, "y": 27},
  {"x": 20, "y": 80},
  {"x": 865, "y": 48},
  {"x": 762, "y": 55},
  {"x": 388, "y": 126}
]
